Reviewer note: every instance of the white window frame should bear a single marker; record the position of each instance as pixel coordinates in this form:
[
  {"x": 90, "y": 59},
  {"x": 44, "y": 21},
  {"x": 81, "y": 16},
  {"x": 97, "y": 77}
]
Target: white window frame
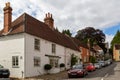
[
  {"x": 15, "y": 61},
  {"x": 54, "y": 62},
  {"x": 37, "y": 64},
  {"x": 37, "y": 44},
  {"x": 53, "y": 48}
]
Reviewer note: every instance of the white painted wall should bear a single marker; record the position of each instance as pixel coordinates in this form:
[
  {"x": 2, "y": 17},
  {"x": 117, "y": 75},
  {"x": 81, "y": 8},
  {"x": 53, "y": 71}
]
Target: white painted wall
[
  {"x": 22, "y": 45},
  {"x": 68, "y": 53},
  {"x": 45, "y": 48},
  {"x": 12, "y": 45}
]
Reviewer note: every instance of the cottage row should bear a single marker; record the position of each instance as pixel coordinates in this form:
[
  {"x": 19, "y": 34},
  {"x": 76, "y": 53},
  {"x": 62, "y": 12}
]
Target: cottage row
[{"x": 27, "y": 44}]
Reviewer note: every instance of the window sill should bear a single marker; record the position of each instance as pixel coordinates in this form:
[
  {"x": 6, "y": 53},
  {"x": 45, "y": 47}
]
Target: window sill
[
  {"x": 15, "y": 67},
  {"x": 36, "y": 66}
]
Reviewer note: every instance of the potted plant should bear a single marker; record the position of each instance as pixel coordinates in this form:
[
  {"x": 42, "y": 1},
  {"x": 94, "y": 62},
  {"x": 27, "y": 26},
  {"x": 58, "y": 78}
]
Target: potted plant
[
  {"x": 47, "y": 67},
  {"x": 62, "y": 66}
]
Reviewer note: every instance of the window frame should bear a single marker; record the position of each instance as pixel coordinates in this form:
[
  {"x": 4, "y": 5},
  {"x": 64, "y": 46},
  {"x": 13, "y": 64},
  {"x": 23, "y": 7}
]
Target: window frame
[
  {"x": 37, "y": 44},
  {"x": 54, "y": 62},
  {"x": 15, "y": 61},
  {"x": 38, "y": 63},
  {"x": 53, "y": 48}
]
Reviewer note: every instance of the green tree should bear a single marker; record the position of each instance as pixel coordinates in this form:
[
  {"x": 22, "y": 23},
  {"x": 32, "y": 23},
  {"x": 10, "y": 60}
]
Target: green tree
[
  {"x": 73, "y": 60},
  {"x": 116, "y": 39},
  {"x": 67, "y": 32},
  {"x": 56, "y": 29},
  {"x": 94, "y": 35},
  {"x": 92, "y": 59}
]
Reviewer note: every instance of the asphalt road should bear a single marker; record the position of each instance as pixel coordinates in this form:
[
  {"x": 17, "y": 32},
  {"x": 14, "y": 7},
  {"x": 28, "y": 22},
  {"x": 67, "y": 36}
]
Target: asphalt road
[{"x": 111, "y": 72}]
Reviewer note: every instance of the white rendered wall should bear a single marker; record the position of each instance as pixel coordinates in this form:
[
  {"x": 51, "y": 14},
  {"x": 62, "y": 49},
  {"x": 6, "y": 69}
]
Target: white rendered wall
[
  {"x": 45, "y": 49},
  {"x": 12, "y": 45},
  {"x": 68, "y": 53},
  {"x": 22, "y": 45}
]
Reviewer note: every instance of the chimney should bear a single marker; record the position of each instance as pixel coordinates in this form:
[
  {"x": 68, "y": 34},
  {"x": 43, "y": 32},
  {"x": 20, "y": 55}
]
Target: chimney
[
  {"x": 7, "y": 18},
  {"x": 49, "y": 20}
]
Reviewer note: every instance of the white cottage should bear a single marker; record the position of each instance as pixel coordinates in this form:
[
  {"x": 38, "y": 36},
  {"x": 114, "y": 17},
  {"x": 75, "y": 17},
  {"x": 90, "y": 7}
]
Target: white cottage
[{"x": 27, "y": 44}]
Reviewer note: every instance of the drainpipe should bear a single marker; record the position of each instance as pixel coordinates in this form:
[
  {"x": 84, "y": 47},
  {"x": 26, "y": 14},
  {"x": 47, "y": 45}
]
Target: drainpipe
[{"x": 65, "y": 59}]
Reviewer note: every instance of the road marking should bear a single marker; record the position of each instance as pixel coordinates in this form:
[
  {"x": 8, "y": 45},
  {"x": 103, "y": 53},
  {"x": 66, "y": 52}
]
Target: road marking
[
  {"x": 102, "y": 79},
  {"x": 104, "y": 76}
]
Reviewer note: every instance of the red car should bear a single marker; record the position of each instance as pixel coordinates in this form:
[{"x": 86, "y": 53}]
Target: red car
[
  {"x": 90, "y": 67},
  {"x": 77, "y": 71}
]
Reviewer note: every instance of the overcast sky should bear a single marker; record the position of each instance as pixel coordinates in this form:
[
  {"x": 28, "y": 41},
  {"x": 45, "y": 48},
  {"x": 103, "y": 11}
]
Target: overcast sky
[{"x": 71, "y": 14}]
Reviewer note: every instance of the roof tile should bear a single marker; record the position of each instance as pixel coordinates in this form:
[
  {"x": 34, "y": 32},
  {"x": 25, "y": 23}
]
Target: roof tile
[{"x": 28, "y": 24}]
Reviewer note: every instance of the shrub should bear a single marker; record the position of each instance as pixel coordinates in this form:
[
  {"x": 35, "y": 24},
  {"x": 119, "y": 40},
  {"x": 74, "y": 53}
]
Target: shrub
[
  {"x": 74, "y": 60},
  {"x": 47, "y": 67},
  {"x": 62, "y": 65},
  {"x": 92, "y": 59}
]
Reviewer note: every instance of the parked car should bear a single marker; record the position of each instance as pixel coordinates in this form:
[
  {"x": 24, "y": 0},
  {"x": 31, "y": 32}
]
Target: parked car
[
  {"x": 102, "y": 63},
  {"x": 97, "y": 65},
  {"x": 4, "y": 73},
  {"x": 109, "y": 61},
  {"x": 77, "y": 71},
  {"x": 89, "y": 67}
]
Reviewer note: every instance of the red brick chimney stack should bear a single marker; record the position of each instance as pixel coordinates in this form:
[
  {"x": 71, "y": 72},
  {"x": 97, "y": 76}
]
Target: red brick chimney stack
[
  {"x": 7, "y": 17},
  {"x": 49, "y": 20}
]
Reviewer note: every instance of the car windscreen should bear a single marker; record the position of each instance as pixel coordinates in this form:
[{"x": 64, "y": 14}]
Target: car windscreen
[{"x": 77, "y": 67}]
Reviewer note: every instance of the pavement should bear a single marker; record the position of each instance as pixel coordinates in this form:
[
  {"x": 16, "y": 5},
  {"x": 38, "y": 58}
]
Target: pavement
[
  {"x": 58, "y": 76},
  {"x": 115, "y": 74}
]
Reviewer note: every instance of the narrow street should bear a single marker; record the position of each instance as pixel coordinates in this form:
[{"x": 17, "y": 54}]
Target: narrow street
[{"x": 110, "y": 72}]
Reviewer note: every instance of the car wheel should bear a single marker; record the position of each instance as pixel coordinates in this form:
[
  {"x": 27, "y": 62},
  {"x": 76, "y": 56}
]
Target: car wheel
[
  {"x": 86, "y": 73},
  {"x": 83, "y": 75},
  {"x": 69, "y": 76}
]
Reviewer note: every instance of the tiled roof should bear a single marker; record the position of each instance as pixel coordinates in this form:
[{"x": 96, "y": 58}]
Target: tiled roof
[
  {"x": 79, "y": 43},
  {"x": 93, "y": 50},
  {"x": 27, "y": 24},
  {"x": 96, "y": 47},
  {"x": 117, "y": 46}
]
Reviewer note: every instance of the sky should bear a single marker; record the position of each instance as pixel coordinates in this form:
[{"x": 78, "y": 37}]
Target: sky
[{"x": 71, "y": 14}]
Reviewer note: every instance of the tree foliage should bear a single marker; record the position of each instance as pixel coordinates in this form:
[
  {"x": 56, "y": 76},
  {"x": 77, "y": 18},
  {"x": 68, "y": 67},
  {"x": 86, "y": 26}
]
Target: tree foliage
[
  {"x": 95, "y": 36},
  {"x": 57, "y": 29},
  {"x": 116, "y": 39},
  {"x": 67, "y": 32},
  {"x": 73, "y": 60},
  {"x": 92, "y": 59}
]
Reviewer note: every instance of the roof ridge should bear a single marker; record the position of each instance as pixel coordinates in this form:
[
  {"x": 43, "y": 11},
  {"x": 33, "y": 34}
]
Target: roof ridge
[
  {"x": 74, "y": 43},
  {"x": 30, "y": 25}
]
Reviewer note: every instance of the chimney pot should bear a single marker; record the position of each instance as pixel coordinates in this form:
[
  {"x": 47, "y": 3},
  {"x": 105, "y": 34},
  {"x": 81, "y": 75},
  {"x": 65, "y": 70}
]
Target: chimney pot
[
  {"x": 49, "y": 20},
  {"x": 48, "y": 15},
  {"x": 8, "y": 4},
  {"x": 51, "y": 16}
]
